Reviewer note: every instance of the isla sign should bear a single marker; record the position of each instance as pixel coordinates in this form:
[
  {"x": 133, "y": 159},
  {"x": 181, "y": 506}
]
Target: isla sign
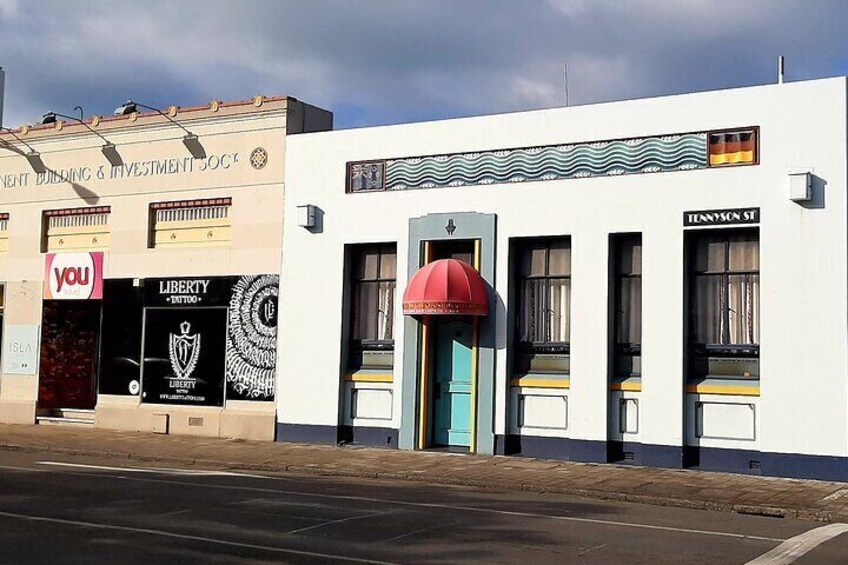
[
  {"x": 73, "y": 276},
  {"x": 20, "y": 349},
  {"x": 722, "y": 217}
]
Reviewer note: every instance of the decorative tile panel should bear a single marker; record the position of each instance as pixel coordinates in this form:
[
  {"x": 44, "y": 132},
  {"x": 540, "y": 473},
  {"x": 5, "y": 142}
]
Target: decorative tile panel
[{"x": 544, "y": 163}]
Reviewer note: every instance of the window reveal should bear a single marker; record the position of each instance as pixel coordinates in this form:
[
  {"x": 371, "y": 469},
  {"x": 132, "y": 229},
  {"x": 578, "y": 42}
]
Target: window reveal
[
  {"x": 725, "y": 304},
  {"x": 543, "y": 324},
  {"x": 627, "y": 257},
  {"x": 373, "y": 285},
  {"x": 76, "y": 229},
  {"x": 190, "y": 223}
]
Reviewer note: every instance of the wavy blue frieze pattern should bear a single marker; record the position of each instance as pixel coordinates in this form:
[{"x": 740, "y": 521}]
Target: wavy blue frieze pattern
[{"x": 581, "y": 160}]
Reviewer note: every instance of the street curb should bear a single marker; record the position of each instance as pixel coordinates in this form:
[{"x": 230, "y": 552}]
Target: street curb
[{"x": 318, "y": 470}]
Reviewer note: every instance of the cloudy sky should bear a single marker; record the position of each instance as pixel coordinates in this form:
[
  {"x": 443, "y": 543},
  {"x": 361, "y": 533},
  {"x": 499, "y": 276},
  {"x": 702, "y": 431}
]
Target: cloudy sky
[{"x": 386, "y": 61}]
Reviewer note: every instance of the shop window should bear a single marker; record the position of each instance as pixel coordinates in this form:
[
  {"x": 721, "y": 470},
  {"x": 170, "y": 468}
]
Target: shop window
[
  {"x": 76, "y": 229},
  {"x": 190, "y": 223},
  {"x": 543, "y": 324},
  {"x": 373, "y": 272},
  {"x": 119, "y": 366},
  {"x": 724, "y": 303},
  {"x": 627, "y": 306},
  {"x": 4, "y": 232}
]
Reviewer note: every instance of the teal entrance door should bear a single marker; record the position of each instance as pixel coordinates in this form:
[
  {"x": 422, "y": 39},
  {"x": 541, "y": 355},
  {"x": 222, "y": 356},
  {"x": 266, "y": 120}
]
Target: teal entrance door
[{"x": 452, "y": 384}]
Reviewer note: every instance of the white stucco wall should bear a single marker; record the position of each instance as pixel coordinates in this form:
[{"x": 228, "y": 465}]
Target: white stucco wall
[{"x": 804, "y": 381}]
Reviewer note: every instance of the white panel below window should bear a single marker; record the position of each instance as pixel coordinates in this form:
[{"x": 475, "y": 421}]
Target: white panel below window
[
  {"x": 543, "y": 411},
  {"x": 628, "y": 418},
  {"x": 372, "y": 404},
  {"x": 724, "y": 420}
]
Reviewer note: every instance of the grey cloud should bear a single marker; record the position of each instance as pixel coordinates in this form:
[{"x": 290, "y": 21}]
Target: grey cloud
[{"x": 397, "y": 60}]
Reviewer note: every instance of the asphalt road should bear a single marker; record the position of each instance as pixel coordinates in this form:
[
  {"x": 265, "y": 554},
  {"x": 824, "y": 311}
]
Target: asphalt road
[{"x": 62, "y": 509}]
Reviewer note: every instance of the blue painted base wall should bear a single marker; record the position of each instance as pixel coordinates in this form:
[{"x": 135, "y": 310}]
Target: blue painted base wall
[
  {"x": 304, "y": 433},
  {"x": 791, "y": 465},
  {"x": 644, "y": 454},
  {"x": 333, "y": 435},
  {"x": 552, "y": 448},
  {"x": 372, "y": 437}
]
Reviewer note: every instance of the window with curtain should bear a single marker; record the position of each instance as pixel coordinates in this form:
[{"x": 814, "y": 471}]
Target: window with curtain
[
  {"x": 627, "y": 269},
  {"x": 724, "y": 310},
  {"x": 373, "y": 273},
  {"x": 543, "y": 328}
]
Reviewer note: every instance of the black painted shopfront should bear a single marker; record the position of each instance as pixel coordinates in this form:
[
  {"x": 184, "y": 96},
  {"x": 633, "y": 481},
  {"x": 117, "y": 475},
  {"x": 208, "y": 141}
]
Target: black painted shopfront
[{"x": 190, "y": 341}]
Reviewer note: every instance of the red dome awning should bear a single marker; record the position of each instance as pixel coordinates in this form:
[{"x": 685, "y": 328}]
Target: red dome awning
[{"x": 446, "y": 286}]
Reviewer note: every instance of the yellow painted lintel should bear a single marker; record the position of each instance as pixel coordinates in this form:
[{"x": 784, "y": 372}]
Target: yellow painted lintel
[
  {"x": 627, "y": 387},
  {"x": 736, "y": 390},
  {"x": 370, "y": 377},
  {"x": 536, "y": 382}
]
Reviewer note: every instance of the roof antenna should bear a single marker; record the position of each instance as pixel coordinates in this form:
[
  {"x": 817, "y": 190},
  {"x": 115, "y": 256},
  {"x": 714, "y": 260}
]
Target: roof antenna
[
  {"x": 780, "y": 69},
  {"x": 565, "y": 81}
]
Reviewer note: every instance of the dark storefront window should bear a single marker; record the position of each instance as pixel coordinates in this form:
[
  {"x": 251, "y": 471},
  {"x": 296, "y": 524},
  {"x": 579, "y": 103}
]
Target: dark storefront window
[
  {"x": 724, "y": 303},
  {"x": 373, "y": 281},
  {"x": 120, "y": 345},
  {"x": 543, "y": 325},
  {"x": 627, "y": 323}
]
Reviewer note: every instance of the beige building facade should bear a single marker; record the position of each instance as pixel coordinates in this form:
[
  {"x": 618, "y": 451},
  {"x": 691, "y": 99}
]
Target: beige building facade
[{"x": 139, "y": 259}]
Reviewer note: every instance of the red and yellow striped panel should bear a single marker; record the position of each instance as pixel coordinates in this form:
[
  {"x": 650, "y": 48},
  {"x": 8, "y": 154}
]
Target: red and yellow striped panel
[{"x": 733, "y": 148}]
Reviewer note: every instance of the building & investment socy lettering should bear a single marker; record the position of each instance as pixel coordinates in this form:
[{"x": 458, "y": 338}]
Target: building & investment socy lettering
[{"x": 135, "y": 169}]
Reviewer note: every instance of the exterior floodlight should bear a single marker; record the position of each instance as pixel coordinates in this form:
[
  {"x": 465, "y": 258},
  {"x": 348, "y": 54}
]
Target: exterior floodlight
[
  {"x": 48, "y": 118},
  {"x": 33, "y": 157},
  {"x": 126, "y": 109},
  {"x": 191, "y": 141},
  {"x": 109, "y": 150}
]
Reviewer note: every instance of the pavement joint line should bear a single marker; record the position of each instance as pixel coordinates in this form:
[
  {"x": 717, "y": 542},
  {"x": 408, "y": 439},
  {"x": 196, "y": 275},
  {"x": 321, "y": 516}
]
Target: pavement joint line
[
  {"x": 804, "y": 513},
  {"x": 164, "y": 533},
  {"x": 431, "y": 505}
]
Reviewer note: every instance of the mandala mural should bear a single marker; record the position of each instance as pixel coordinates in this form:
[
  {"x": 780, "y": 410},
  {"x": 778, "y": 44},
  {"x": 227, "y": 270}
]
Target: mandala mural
[{"x": 252, "y": 338}]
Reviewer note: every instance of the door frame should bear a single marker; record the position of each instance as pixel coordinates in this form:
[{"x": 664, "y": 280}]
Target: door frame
[
  {"x": 426, "y": 351},
  {"x": 95, "y": 364},
  {"x": 413, "y": 406}
]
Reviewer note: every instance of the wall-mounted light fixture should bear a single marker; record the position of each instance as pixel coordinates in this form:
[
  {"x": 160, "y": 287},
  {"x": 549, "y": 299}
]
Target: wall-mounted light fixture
[
  {"x": 306, "y": 216},
  {"x": 800, "y": 186},
  {"x": 190, "y": 140},
  {"x": 108, "y": 149},
  {"x": 32, "y": 156}
]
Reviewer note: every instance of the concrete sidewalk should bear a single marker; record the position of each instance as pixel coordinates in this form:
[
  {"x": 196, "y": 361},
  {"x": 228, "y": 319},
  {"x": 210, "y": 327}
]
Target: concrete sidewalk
[{"x": 807, "y": 499}]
